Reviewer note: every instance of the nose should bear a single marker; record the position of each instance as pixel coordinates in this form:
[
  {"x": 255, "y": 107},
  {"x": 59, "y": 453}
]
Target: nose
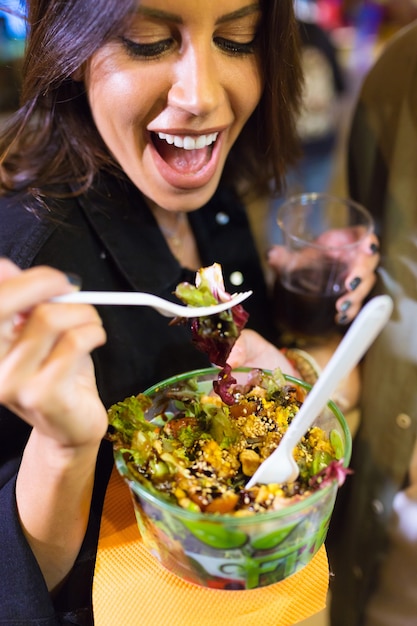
[{"x": 196, "y": 86}]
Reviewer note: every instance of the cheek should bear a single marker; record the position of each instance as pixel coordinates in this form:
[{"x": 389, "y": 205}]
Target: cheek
[
  {"x": 254, "y": 92},
  {"x": 112, "y": 90},
  {"x": 113, "y": 97},
  {"x": 125, "y": 102},
  {"x": 255, "y": 82},
  {"x": 248, "y": 89}
]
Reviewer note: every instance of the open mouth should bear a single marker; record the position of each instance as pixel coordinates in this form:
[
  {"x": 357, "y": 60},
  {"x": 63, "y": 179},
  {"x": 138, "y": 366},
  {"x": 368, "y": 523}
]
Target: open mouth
[{"x": 186, "y": 154}]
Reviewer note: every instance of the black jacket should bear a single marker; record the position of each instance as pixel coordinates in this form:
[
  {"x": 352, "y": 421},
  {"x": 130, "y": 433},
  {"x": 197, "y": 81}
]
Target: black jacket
[{"x": 110, "y": 238}]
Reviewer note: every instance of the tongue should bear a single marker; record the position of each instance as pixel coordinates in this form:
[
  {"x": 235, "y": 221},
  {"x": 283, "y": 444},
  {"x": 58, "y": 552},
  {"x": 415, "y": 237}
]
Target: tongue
[{"x": 184, "y": 161}]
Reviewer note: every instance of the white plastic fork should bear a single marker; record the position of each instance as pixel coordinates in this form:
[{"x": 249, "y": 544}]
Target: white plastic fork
[
  {"x": 280, "y": 466},
  {"x": 164, "y": 307}
]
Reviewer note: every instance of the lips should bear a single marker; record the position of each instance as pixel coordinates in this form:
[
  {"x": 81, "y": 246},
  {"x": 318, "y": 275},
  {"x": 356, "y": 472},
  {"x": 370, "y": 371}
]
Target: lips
[{"x": 184, "y": 154}]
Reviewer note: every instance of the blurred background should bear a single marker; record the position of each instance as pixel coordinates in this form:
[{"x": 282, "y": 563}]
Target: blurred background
[
  {"x": 357, "y": 31},
  {"x": 341, "y": 40},
  {"x": 12, "y": 41}
]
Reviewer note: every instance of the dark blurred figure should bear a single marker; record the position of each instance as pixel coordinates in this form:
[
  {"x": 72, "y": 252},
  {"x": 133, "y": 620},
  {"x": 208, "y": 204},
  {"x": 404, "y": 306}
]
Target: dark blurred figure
[{"x": 372, "y": 541}]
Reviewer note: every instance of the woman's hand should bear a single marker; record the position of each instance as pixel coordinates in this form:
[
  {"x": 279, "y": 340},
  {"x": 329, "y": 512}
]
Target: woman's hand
[
  {"x": 252, "y": 350},
  {"x": 359, "y": 282},
  {"x": 46, "y": 372}
]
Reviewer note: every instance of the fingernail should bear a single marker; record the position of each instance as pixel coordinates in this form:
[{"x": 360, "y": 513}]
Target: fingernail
[
  {"x": 354, "y": 283},
  {"x": 343, "y": 319},
  {"x": 345, "y": 306},
  {"x": 74, "y": 279},
  {"x": 374, "y": 248}
]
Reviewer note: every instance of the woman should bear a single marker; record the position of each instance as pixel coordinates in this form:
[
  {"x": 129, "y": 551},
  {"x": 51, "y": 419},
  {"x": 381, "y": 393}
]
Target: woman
[{"x": 134, "y": 115}]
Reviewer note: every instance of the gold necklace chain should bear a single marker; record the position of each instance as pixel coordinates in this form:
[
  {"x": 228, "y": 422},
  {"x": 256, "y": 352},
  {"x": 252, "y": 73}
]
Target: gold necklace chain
[{"x": 173, "y": 234}]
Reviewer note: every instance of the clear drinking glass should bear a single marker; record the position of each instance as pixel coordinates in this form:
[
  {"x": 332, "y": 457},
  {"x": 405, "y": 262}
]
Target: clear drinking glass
[{"x": 322, "y": 234}]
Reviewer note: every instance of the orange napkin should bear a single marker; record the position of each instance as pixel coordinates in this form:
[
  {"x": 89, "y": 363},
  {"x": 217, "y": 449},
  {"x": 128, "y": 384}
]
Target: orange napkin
[{"x": 132, "y": 588}]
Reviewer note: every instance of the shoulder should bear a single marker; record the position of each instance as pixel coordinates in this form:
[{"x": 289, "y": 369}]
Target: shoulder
[
  {"x": 402, "y": 44},
  {"x": 394, "y": 72},
  {"x": 385, "y": 110}
]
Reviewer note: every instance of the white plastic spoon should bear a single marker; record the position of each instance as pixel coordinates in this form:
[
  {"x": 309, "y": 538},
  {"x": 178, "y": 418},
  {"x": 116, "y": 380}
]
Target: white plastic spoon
[
  {"x": 280, "y": 466},
  {"x": 164, "y": 307}
]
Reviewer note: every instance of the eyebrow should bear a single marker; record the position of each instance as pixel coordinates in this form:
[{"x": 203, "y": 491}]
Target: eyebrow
[
  {"x": 243, "y": 12},
  {"x": 159, "y": 14},
  {"x": 176, "y": 19}
]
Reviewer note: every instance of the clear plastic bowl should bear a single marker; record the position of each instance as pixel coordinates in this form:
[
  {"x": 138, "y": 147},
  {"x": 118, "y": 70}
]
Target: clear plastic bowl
[{"x": 227, "y": 552}]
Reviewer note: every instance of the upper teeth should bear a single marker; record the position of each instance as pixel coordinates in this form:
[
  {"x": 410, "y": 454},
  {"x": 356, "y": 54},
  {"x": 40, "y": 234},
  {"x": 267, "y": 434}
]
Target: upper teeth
[{"x": 189, "y": 143}]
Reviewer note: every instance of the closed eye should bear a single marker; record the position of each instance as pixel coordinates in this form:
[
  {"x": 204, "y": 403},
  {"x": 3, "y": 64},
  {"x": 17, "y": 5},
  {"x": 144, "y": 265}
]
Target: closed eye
[
  {"x": 147, "y": 50},
  {"x": 235, "y": 47}
]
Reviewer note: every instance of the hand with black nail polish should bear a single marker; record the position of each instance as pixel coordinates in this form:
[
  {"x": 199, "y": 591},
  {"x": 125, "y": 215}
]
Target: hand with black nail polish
[{"x": 360, "y": 281}]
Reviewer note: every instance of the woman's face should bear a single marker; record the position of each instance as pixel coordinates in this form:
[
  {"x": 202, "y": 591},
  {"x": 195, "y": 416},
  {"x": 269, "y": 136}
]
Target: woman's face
[{"x": 171, "y": 94}]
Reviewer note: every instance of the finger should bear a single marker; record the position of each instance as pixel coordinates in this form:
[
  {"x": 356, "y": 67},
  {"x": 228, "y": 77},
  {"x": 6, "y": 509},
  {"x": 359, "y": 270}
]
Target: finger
[
  {"x": 360, "y": 280},
  {"x": 252, "y": 350},
  {"x": 64, "y": 388},
  {"x": 277, "y": 257},
  {"x": 73, "y": 345},
  {"x": 24, "y": 289},
  {"x": 237, "y": 356},
  {"x": 8, "y": 269},
  {"x": 350, "y": 304},
  {"x": 280, "y": 258},
  {"x": 42, "y": 330},
  {"x": 344, "y": 317},
  {"x": 363, "y": 270},
  {"x": 366, "y": 263},
  {"x": 370, "y": 245},
  {"x": 57, "y": 397}
]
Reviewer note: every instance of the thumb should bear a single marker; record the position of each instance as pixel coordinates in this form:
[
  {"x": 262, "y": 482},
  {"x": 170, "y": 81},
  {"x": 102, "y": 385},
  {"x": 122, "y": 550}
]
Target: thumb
[
  {"x": 238, "y": 355},
  {"x": 277, "y": 258}
]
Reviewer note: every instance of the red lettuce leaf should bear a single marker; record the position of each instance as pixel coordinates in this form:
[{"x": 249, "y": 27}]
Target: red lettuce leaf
[
  {"x": 216, "y": 334},
  {"x": 222, "y": 385}
]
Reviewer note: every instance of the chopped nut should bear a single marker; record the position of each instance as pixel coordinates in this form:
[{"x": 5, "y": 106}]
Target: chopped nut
[{"x": 250, "y": 462}]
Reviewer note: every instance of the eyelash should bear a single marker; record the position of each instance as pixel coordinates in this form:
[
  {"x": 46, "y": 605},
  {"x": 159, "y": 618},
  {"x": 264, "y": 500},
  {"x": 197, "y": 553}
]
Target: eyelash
[
  {"x": 147, "y": 50},
  {"x": 235, "y": 47},
  {"x": 154, "y": 50}
]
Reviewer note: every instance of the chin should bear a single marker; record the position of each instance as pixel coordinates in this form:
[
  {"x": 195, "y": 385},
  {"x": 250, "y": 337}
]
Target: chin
[{"x": 184, "y": 199}]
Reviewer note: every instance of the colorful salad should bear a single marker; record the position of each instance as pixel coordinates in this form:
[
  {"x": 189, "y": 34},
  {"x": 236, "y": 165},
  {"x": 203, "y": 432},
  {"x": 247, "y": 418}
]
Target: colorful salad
[
  {"x": 198, "y": 451},
  {"x": 205, "y": 440}
]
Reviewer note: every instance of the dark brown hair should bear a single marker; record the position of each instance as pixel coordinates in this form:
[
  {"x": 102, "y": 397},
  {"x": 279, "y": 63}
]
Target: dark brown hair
[{"x": 52, "y": 139}]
